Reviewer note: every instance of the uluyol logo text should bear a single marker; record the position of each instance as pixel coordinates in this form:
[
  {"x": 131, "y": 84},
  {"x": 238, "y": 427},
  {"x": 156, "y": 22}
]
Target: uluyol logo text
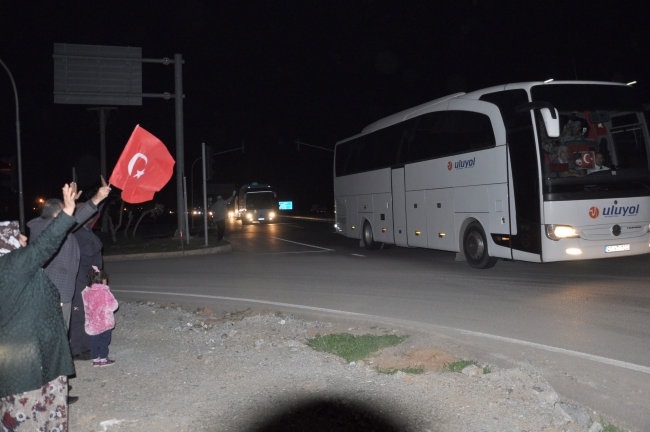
[
  {"x": 614, "y": 210},
  {"x": 467, "y": 163}
]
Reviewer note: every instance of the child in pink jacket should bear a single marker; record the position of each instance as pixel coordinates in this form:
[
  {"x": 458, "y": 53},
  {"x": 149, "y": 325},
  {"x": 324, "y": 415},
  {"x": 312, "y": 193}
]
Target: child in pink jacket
[{"x": 99, "y": 304}]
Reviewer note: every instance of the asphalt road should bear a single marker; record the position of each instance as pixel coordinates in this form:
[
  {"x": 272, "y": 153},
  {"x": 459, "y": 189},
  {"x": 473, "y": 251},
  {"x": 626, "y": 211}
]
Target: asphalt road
[{"x": 585, "y": 324}]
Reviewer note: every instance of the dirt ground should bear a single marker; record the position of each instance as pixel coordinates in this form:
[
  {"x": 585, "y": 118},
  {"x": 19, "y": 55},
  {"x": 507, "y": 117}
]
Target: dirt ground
[{"x": 180, "y": 370}]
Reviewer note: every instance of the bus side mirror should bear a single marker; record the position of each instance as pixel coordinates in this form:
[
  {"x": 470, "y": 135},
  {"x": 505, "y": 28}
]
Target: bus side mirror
[
  {"x": 549, "y": 114},
  {"x": 552, "y": 124}
]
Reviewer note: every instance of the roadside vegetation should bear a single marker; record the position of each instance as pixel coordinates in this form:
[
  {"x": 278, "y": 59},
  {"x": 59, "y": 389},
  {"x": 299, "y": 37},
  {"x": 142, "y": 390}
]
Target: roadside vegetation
[
  {"x": 459, "y": 365},
  {"x": 351, "y": 347},
  {"x": 408, "y": 370},
  {"x": 611, "y": 428}
]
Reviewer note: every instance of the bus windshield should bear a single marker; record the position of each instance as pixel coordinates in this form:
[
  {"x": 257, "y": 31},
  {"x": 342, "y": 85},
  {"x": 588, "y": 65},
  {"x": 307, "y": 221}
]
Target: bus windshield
[
  {"x": 259, "y": 200},
  {"x": 603, "y": 146}
]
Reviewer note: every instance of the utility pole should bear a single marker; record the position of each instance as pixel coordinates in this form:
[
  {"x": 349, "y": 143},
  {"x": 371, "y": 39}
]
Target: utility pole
[
  {"x": 104, "y": 112},
  {"x": 205, "y": 195},
  {"x": 21, "y": 204}
]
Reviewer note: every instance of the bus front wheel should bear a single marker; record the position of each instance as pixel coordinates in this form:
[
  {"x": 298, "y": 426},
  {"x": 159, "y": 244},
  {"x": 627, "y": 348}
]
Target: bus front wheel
[
  {"x": 368, "y": 239},
  {"x": 475, "y": 247}
]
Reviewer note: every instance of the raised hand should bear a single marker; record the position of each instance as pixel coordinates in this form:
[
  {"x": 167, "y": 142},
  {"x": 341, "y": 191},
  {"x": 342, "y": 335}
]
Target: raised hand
[
  {"x": 73, "y": 187},
  {"x": 69, "y": 197},
  {"x": 102, "y": 193}
]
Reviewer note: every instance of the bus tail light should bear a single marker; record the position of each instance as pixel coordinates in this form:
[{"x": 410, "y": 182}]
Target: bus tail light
[{"x": 558, "y": 232}]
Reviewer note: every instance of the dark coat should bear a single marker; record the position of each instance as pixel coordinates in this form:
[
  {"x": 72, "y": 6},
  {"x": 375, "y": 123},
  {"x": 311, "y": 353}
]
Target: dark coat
[
  {"x": 90, "y": 248},
  {"x": 33, "y": 336},
  {"x": 62, "y": 269},
  {"x": 90, "y": 254}
]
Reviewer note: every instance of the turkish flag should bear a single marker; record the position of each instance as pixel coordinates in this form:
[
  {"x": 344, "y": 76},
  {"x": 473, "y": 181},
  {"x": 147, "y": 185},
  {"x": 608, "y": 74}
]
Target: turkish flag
[
  {"x": 144, "y": 167},
  {"x": 588, "y": 159}
]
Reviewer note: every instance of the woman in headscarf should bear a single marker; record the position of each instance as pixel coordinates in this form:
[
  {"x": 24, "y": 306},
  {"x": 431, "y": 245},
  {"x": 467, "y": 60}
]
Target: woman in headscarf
[{"x": 35, "y": 358}]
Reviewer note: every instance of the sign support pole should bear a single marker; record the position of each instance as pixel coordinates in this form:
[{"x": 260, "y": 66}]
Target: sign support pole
[
  {"x": 104, "y": 112},
  {"x": 180, "y": 147}
]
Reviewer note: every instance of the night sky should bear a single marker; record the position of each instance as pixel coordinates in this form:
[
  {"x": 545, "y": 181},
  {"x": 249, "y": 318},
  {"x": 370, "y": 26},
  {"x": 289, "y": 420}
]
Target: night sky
[{"x": 270, "y": 72}]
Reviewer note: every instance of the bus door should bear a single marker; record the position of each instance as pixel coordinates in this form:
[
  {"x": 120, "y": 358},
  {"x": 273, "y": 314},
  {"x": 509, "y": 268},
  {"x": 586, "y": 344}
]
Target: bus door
[{"x": 399, "y": 207}]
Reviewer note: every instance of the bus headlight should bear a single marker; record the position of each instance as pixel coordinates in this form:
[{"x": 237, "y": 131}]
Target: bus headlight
[{"x": 558, "y": 232}]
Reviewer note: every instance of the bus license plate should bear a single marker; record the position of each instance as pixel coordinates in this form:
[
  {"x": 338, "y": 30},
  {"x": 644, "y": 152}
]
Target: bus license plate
[
  {"x": 263, "y": 219},
  {"x": 617, "y": 248}
]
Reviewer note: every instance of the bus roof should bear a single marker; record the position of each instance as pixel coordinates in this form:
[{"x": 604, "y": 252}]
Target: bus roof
[{"x": 425, "y": 107}]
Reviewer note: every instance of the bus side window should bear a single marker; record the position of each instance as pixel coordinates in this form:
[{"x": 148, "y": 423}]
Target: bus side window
[
  {"x": 472, "y": 131},
  {"x": 432, "y": 136}
]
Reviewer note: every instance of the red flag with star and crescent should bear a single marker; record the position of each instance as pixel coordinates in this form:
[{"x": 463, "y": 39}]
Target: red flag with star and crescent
[{"x": 144, "y": 167}]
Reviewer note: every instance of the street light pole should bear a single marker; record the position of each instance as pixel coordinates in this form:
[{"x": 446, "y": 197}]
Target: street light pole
[{"x": 21, "y": 205}]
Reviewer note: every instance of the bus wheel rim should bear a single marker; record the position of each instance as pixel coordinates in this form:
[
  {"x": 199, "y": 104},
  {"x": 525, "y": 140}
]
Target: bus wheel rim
[
  {"x": 367, "y": 234},
  {"x": 475, "y": 245}
]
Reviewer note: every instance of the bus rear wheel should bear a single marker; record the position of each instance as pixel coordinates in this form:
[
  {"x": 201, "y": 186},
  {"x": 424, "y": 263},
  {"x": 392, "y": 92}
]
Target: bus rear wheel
[
  {"x": 368, "y": 239},
  {"x": 475, "y": 247}
]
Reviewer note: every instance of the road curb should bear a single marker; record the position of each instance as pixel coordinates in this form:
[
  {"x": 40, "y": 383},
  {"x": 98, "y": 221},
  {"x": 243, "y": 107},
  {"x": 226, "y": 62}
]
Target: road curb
[{"x": 154, "y": 255}]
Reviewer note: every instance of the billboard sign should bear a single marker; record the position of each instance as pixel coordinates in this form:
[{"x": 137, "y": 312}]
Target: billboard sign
[{"x": 97, "y": 75}]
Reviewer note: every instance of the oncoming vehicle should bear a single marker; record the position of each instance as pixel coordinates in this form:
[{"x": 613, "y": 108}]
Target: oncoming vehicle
[
  {"x": 256, "y": 202},
  {"x": 505, "y": 172}
]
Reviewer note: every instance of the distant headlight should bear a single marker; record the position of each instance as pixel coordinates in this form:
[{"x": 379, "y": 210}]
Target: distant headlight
[
  {"x": 249, "y": 216},
  {"x": 210, "y": 213},
  {"x": 558, "y": 232},
  {"x": 271, "y": 215},
  {"x": 230, "y": 214}
]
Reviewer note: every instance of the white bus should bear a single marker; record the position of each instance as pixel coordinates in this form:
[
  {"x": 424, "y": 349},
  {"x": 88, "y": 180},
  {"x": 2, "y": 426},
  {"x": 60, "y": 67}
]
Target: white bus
[
  {"x": 256, "y": 203},
  {"x": 479, "y": 174}
]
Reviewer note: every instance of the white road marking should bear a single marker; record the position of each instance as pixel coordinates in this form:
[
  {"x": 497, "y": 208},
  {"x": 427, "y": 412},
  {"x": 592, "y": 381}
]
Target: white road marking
[
  {"x": 586, "y": 356},
  {"x": 303, "y": 244},
  {"x": 363, "y": 256},
  {"x": 592, "y": 357},
  {"x": 301, "y": 252},
  {"x": 313, "y": 308}
]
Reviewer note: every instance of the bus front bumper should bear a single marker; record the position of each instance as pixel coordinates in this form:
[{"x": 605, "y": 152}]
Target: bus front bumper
[{"x": 581, "y": 249}]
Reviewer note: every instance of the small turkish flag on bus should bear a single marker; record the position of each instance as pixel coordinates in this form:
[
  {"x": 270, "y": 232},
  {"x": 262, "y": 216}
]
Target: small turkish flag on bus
[
  {"x": 588, "y": 159},
  {"x": 144, "y": 167}
]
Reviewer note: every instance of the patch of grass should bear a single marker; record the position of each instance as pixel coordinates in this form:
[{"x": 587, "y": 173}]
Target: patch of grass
[
  {"x": 351, "y": 347},
  {"x": 458, "y": 366},
  {"x": 611, "y": 428},
  {"x": 409, "y": 370},
  {"x": 413, "y": 370},
  {"x": 487, "y": 370}
]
